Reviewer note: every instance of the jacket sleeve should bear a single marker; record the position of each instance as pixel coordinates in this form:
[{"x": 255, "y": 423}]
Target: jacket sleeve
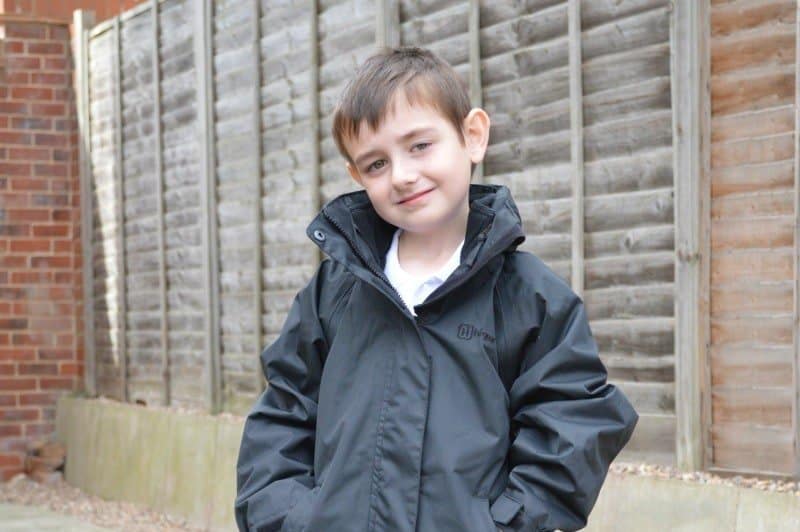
[
  {"x": 274, "y": 468},
  {"x": 568, "y": 423}
]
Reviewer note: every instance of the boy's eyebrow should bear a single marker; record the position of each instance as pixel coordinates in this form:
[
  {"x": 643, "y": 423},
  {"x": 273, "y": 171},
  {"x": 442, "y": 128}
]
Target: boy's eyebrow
[{"x": 403, "y": 137}]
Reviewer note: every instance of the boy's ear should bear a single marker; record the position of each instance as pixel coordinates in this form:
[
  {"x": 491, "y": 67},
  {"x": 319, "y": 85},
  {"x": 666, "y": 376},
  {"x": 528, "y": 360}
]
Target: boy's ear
[
  {"x": 476, "y": 133},
  {"x": 354, "y": 173}
]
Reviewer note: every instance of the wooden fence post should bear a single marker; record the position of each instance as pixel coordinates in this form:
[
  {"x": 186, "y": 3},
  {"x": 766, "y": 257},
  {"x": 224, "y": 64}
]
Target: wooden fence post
[
  {"x": 475, "y": 83},
  {"x": 258, "y": 191},
  {"x": 576, "y": 142},
  {"x": 387, "y": 30},
  {"x": 203, "y": 44},
  {"x": 689, "y": 42},
  {"x": 796, "y": 283},
  {"x": 119, "y": 176},
  {"x": 82, "y": 22},
  {"x": 159, "y": 171}
]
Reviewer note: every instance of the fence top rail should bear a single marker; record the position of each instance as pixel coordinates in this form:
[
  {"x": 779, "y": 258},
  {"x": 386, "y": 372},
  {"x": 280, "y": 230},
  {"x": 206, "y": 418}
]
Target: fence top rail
[{"x": 133, "y": 12}]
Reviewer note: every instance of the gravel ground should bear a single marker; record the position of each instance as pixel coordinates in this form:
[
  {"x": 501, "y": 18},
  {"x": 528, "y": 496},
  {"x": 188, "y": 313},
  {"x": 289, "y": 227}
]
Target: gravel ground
[
  {"x": 766, "y": 484},
  {"x": 64, "y": 498}
]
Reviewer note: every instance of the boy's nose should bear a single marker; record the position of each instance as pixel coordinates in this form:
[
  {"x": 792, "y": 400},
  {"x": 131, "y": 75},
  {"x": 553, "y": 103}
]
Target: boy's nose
[{"x": 404, "y": 175}]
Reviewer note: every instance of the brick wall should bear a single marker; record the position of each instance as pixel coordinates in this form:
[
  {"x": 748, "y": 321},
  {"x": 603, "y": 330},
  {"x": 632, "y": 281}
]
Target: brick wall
[{"x": 40, "y": 281}]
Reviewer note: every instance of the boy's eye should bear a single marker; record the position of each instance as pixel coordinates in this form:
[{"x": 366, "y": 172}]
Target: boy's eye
[
  {"x": 423, "y": 144},
  {"x": 379, "y": 162}
]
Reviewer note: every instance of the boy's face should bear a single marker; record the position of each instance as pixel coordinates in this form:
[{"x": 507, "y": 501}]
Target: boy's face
[{"x": 414, "y": 168}]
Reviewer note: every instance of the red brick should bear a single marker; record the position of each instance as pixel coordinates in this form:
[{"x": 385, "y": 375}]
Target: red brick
[
  {"x": 8, "y": 399},
  {"x": 7, "y": 370},
  {"x": 51, "y": 262},
  {"x": 5, "y": 338},
  {"x": 28, "y": 215},
  {"x": 59, "y": 33},
  {"x": 22, "y": 62},
  {"x": 55, "y": 63},
  {"x": 70, "y": 368},
  {"x": 57, "y": 383},
  {"x": 50, "y": 230},
  {"x": 18, "y": 78},
  {"x": 10, "y": 430},
  {"x": 51, "y": 323},
  {"x": 55, "y": 354},
  {"x": 51, "y": 170},
  {"x": 15, "y": 230},
  {"x": 33, "y": 339},
  {"x": 31, "y": 277},
  {"x": 46, "y": 48},
  {"x": 65, "y": 277},
  {"x": 39, "y": 429},
  {"x": 13, "y": 445},
  {"x": 19, "y": 414},
  {"x": 29, "y": 153},
  {"x": 17, "y": 383},
  {"x": 10, "y": 460},
  {"x": 64, "y": 339},
  {"x": 40, "y": 124},
  {"x": 50, "y": 78},
  {"x": 61, "y": 155},
  {"x": 31, "y": 93},
  {"x": 14, "y": 108},
  {"x": 38, "y": 369},
  {"x": 48, "y": 109},
  {"x": 26, "y": 30},
  {"x": 29, "y": 183},
  {"x": 23, "y": 246},
  {"x": 50, "y": 139},
  {"x": 61, "y": 215},
  {"x": 11, "y": 261},
  {"x": 38, "y": 398},
  {"x": 65, "y": 246},
  {"x": 17, "y": 354},
  {"x": 14, "y": 47},
  {"x": 15, "y": 169},
  {"x": 14, "y": 323},
  {"x": 15, "y": 137},
  {"x": 50, "y": 200}
]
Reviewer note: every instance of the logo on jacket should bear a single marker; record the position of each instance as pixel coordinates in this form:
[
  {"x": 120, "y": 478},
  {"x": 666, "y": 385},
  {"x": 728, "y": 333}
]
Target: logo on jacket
[{"x": 468, "y": 332}]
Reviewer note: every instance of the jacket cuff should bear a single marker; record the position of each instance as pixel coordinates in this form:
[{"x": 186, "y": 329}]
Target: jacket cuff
[{"x": 504, "y": 509}]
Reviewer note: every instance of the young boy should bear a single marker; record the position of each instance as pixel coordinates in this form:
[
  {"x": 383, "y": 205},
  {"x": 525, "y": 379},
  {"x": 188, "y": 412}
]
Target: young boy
[{"x": 429, "y": 377}]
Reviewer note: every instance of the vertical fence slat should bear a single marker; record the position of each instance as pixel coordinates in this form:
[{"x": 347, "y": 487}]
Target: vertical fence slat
[
  {"x": 576, "y": 141},
  {"x": 122, "y": 312},
  {"x": 475, "y": 83},
  {"x": 82, "y": 22},
  {"x": 205, "y": 117},
  {"x": 258, "y": 192},
  {"x": 316, "y": 177},
  {"x": 690, "y": 133},
  {"x": 159, "y": 176},
  {"x": 796, "y": 283},
  {"x": 387, "y": 31}
]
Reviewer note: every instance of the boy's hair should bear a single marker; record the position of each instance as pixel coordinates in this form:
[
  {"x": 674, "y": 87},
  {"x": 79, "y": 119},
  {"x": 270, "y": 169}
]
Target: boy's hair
[{"x": 424, "y": 77}]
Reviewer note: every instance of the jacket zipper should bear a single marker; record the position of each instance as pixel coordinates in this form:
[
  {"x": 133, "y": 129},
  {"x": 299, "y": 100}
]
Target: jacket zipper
[{"x": 369, "y": 265}]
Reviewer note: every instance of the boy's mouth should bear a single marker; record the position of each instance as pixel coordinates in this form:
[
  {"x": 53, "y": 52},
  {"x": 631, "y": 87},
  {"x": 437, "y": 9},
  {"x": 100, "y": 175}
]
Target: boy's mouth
[{"x": 414, "y": 196}]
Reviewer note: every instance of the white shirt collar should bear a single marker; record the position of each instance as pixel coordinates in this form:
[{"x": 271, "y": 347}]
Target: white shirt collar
[{"x": 393, "y": 265}]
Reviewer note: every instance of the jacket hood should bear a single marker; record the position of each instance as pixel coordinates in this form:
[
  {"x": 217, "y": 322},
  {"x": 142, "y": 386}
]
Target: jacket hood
[{"x": 350, "y": 231}]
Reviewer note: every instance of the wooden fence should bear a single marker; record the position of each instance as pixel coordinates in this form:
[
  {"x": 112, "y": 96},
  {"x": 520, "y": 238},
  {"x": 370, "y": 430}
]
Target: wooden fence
[{"x": 206, "y": 132}]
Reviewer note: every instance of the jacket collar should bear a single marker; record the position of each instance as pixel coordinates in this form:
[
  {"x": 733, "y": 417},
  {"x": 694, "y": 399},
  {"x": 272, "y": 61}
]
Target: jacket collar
[{"x": 350, "y": 231}]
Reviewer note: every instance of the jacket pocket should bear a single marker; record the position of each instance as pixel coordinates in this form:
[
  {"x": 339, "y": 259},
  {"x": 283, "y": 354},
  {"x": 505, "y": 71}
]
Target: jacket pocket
[{"x": 300, "y": 514}]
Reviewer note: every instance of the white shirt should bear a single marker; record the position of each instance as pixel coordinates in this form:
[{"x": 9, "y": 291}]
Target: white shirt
[{"x": 415, "y": 289}]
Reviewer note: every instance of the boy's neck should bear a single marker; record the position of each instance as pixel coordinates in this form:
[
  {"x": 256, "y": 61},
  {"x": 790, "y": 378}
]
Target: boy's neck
[{"x": 424, "y": 253}]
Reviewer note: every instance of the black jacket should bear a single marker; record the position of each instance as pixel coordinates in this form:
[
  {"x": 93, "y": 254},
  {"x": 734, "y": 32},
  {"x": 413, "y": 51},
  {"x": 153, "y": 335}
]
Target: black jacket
[{"x": 489, "y": 410}]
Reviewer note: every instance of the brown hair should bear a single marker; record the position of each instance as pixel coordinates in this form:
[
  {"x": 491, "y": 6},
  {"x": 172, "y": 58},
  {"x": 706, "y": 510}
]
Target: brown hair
[{"x": 423, "y": 76}]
